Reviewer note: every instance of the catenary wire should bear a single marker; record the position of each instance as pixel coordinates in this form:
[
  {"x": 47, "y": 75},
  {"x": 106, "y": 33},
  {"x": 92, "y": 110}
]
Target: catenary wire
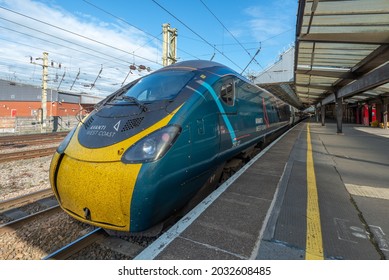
[
  {"x": 79, "y": 35},
  {"x": 54, "y": 43},
  {"x": 198, "y": 35},
  {"x": 126, "y": 22}
]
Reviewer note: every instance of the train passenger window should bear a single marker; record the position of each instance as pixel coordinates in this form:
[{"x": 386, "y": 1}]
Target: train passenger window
[
  {"x": 247, "y": 92},
  {"x": 227, "y": 92}
]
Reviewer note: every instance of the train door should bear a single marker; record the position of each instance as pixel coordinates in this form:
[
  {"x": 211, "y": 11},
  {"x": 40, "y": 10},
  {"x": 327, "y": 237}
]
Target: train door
[
  {"x": 204, "y": 140},
  {"x": 203, "y": 150}
]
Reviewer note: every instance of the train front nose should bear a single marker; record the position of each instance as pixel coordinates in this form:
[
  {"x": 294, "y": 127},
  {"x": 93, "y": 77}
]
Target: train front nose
[
  {"x": 98, "y": 193},
  {"x": 92, "y": 181}
]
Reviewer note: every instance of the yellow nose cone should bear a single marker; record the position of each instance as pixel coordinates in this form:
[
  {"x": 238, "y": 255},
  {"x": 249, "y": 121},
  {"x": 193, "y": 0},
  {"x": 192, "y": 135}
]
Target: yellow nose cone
[{"x": 97, "y": 193}]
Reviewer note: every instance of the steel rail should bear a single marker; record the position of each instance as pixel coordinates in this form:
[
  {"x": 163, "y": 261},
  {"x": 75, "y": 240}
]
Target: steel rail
[
  {"x": 6, "y": 157},
  {"x": 77, "y": 245},
  {"x": 30, "y": 137},
  {"x": 8, "y": 204},
  {"x": 14, "y": 225},
  {"x": 35, "y": 142}
]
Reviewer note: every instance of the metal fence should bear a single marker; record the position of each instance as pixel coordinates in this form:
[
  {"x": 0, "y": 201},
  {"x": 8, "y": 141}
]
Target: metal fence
[{"x": 26, "y": 125}]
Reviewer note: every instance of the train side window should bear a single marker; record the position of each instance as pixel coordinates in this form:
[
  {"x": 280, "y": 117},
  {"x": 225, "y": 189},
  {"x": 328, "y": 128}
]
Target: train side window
[
  {"x": 227, "y": 93},
  {"x": 247, "y": 92}
]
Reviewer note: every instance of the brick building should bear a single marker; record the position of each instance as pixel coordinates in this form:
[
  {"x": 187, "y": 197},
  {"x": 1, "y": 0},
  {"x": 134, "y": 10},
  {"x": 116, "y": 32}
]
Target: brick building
[{"x": 21, "y": 101}]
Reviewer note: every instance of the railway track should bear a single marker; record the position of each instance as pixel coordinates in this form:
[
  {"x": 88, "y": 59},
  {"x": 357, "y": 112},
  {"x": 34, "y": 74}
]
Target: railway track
[
  {"x": 25, "y": 199},
  {"x": 43, "y": 231},
  {"x": 6, "y": 157},
  {"x": 96, "y": 238},
  {"x": 77, "y": 245},
  {"x": 29, "y": 140},
  {"x": 16, "y": 224},
  {"x": 125, "y": 247},
  {"x": 18, "y": 211},
  {"x": 7, "y": 141},
  {"x": 84, "y": 247},
  {"x": 19, "y": 145}
]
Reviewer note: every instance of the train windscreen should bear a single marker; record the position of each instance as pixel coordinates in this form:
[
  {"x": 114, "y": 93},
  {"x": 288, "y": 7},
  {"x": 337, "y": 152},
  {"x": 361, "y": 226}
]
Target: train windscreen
[{"x": 162, "y": 85}]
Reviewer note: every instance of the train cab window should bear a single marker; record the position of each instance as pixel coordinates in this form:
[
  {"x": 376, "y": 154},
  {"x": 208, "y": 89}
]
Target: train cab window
[
  {"x": 163, "y": 85},
  {"x": 227, "y": 92}
]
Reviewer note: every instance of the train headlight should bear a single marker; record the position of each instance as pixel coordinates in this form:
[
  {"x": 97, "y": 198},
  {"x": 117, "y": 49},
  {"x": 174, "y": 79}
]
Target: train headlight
[
  {"x": 149, "y": 147},
  {"x": 61, "y": 148},
  {"x": 153, "y": 146}
]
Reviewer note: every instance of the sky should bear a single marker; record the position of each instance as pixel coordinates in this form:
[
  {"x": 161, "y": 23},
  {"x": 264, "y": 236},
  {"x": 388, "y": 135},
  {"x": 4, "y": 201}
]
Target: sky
[{"x": 92, "y": 43}]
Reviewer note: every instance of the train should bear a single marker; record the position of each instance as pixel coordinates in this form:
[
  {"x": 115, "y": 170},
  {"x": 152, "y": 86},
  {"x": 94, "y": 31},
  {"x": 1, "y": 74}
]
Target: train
[{"x": 150, "y": 148}]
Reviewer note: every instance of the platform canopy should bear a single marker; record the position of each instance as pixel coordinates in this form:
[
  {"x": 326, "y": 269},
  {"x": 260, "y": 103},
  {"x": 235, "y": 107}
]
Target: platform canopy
[
  {"x": 342, "y": 49},
  {"x": 278, "y": 78}
]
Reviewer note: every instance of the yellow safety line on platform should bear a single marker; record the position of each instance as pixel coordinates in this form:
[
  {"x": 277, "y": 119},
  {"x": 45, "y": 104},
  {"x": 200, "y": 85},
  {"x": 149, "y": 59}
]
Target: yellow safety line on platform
[{"x": 314, "y": 243}]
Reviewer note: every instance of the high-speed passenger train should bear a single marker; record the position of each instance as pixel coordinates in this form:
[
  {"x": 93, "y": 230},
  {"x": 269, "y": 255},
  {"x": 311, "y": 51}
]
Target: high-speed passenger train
[{"x": 146, "y": 150}]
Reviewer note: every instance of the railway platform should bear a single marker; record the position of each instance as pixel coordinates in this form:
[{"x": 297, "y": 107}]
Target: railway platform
[{"x": 312, "y": 194}]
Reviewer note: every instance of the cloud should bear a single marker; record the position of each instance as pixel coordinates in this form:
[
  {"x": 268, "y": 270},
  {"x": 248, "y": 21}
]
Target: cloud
[
  {"x": 265, "y": 22},
  {"x": 90, "y": 46}
]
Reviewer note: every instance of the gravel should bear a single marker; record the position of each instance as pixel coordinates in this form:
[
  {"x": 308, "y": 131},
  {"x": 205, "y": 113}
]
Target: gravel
[
  {"x": 39, "y": 238},
  {"x": 24, "y": 176},
  {"x": 25, "y": 147},
  {"x": 98, "y": 251},
  {"x": 43, "y": 236}
]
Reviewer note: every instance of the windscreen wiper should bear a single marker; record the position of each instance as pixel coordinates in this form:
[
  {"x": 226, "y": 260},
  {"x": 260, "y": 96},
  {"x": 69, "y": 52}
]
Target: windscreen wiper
[
  {"x": 136, "y": 101},
  {"x": 109, "y": 98}
]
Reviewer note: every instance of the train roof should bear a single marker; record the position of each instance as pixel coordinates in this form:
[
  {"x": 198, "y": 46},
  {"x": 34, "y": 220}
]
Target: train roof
[
  {"x": 196, "y": 64},
  {"x": 203, "y": 65}
]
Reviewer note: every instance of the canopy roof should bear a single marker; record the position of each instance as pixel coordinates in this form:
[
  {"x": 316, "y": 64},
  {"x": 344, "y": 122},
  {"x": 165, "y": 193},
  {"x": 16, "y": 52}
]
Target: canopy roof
[{"x": 342, "y": 48}]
